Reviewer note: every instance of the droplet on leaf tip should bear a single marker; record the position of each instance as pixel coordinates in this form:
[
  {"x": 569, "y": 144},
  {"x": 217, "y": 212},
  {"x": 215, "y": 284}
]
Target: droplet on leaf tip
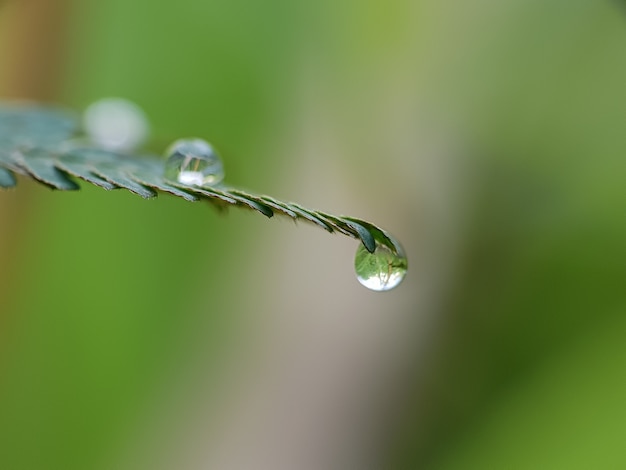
[{"x": 381, "y": 270}]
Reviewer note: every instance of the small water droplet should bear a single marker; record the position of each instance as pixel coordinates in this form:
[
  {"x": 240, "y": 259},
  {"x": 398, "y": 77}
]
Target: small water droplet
[
  {"x": 382, "y": 270},
  {"x": 193, "y": 162},
  {"x": 116, "y": 124}
]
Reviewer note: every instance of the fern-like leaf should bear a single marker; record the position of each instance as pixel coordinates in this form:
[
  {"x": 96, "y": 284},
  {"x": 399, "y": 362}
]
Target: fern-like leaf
[{"x": 41, "y": 143}]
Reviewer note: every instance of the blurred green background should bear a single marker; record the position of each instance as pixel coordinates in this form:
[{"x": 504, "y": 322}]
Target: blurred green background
[{"x": 490, "y": 137}]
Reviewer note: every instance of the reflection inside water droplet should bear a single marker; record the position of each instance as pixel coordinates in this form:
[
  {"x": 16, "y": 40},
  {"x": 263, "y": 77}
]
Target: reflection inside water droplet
[
  {"x": 193, "y": 162},
  {"x": 382, "y": 270},
  {"x": 116, "y": 124}
]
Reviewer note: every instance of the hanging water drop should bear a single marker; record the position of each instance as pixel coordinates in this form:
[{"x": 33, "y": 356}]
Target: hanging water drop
[
  {"x": 193, "y": 162},
  {"x": 381, "y": 270}
]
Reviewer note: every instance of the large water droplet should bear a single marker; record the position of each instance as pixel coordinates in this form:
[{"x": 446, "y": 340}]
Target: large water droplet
[
  {"x": 116, "y": 124},
  {"x": 382, "y": 270},
  {"x": 193, "y": 162}
]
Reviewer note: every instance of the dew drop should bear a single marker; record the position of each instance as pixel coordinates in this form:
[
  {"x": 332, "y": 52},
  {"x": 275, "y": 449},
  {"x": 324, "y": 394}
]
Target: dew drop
[
  {"x": 193, "y": 162},
  {"x": 116, "y": 124},
  {"x": 381, "y": 270}
]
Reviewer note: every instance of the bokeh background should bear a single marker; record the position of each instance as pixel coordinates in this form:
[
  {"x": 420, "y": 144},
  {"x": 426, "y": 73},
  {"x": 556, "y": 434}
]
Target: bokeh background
[{"x": 489, "y": 137}]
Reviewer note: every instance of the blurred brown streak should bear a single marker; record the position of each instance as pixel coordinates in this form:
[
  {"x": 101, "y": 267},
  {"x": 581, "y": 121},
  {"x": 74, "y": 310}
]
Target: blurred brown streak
[
  {"x": 33, "y": 48},
  {"x": 31, "y": 52}
]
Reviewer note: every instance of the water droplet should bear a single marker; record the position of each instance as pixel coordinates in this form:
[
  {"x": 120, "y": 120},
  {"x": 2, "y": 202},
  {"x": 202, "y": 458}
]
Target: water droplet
[
  {"x": 193, "y": 162},
  {"x": 116, "y": 124},
  {"x": 382, "y": 270}
]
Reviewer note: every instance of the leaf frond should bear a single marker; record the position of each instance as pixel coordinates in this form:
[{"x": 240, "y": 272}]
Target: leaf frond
[{"x": 40, "y": 142}]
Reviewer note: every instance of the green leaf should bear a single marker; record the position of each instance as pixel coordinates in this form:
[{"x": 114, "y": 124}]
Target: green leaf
[
  {"x": 7, "y": 180},
  {"x": 28, "y": 125},
  {"x": 37, "y": 141},
  {"x": 379, "y": 235},
  {"x": 38, "y": 164},
  {"x": 351, "y": 226}
]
